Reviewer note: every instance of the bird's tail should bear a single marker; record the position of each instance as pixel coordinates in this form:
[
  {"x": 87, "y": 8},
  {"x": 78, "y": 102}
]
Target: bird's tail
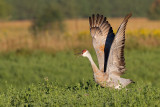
[{"x": 125, "y": 82}]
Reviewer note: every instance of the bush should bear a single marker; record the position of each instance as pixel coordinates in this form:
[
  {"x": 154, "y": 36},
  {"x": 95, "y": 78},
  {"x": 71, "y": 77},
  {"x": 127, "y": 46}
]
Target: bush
[
  {"x": 50, "y": 20},
  {"x": 5, "y": 9},
  {"x": 154, "y": 12}
]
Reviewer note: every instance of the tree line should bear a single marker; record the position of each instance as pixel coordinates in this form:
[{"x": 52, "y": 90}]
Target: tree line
[
  {"x": 31, "y": 9},
  {"x": 48, "y": 15}
]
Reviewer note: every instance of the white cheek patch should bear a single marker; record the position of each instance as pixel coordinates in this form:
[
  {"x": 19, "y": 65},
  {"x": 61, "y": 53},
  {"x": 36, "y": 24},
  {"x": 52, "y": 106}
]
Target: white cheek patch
[{"x": 84, "y": 54}]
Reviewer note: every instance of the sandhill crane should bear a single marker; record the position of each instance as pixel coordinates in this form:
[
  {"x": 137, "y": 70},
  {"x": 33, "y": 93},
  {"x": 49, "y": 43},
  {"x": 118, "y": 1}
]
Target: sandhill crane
[{"x": 110, "y": 52}]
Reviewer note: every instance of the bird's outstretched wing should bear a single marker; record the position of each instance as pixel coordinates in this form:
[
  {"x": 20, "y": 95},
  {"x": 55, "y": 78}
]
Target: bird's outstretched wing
[
  {"x": 99, "y": 29},
  {"x": 116, "y": 60}
]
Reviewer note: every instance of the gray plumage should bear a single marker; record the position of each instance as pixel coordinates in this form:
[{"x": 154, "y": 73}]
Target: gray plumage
[
  {"x": 109, "y": 49},
  {"x": 99, "y": 29}
]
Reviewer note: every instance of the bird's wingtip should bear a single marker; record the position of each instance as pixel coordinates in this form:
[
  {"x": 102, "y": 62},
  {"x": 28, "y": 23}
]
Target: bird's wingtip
[{"x": 132, "y": 81}]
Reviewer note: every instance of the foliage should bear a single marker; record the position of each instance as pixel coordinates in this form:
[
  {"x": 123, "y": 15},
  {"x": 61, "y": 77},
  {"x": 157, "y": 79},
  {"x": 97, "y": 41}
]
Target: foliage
[
  {"x": 69, "y": 80},
  {"x": 26, "y": 9},
  {"x": 5, "y": 9},
  {"x": 154, "y": 12},
  {"x": 82, "y": 94},
  {"x": 50, "y": 19},
  {"x": 29, "y": 9}
]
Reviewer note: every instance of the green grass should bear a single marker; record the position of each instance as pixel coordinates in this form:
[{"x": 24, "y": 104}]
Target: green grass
[{"x": 50, "y": 79}]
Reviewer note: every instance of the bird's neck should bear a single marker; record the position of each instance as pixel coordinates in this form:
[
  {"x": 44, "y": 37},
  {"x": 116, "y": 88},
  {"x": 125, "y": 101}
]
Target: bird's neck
[{"x": 94, "y": 66}]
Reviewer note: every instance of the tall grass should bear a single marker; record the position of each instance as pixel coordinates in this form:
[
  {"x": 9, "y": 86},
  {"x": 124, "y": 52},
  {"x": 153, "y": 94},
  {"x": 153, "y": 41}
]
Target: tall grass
[{"x": 16, "y": 35}]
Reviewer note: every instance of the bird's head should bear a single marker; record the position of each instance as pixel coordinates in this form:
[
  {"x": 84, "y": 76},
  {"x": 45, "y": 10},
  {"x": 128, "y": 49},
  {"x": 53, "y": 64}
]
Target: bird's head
[{"x": 84, "y": 53}]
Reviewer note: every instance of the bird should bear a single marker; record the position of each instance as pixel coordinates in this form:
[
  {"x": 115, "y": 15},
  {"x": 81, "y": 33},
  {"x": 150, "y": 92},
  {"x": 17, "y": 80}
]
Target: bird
[{"x": 109, "y": 49}]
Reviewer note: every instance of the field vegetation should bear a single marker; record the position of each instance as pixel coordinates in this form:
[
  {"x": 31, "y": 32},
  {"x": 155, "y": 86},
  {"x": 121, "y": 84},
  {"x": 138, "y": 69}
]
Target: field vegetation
[
  {"x": 38, "y": 39},
  {"x": 43, "y": 70},
  {"x": 49, "y": 79},
  {"x": 15, "y": 35}
]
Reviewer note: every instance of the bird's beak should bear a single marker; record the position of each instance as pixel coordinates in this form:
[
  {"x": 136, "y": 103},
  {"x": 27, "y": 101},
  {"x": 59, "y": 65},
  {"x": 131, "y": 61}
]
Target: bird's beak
[{"x": 78, "y": 54}]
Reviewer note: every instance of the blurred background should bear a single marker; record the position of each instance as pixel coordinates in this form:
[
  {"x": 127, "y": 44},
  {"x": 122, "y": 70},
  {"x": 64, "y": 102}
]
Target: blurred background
[
  {"x": 46, "y": 24},
  {"x": 38, "y": 39}
]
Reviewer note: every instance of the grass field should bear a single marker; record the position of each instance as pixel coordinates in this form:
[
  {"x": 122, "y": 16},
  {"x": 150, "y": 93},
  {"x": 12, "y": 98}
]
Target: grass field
[
  {"x": 47, "y": 79},
  {"x": 43, "y": 71}
]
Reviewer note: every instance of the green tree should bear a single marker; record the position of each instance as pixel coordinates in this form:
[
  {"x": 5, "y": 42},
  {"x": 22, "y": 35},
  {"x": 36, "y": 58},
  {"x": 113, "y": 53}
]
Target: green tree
[
  {"x": 5, "y": 9},
  {"x": 154, "y": 12},
  {"x": 27, "y": 9},
  {"x": 30, "y": 9},
  {"x": 50, "y": 20}
]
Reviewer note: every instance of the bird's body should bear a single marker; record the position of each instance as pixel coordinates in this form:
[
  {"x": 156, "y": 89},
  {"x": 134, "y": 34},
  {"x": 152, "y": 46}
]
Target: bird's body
[{"x": 110, "y": 52}]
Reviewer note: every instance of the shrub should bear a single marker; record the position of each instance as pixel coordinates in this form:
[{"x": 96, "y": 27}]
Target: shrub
[
  {"x": 154, "y": 12},
  {"x": 5, "y": 9},
  {"x": 50, "y": 20}
]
